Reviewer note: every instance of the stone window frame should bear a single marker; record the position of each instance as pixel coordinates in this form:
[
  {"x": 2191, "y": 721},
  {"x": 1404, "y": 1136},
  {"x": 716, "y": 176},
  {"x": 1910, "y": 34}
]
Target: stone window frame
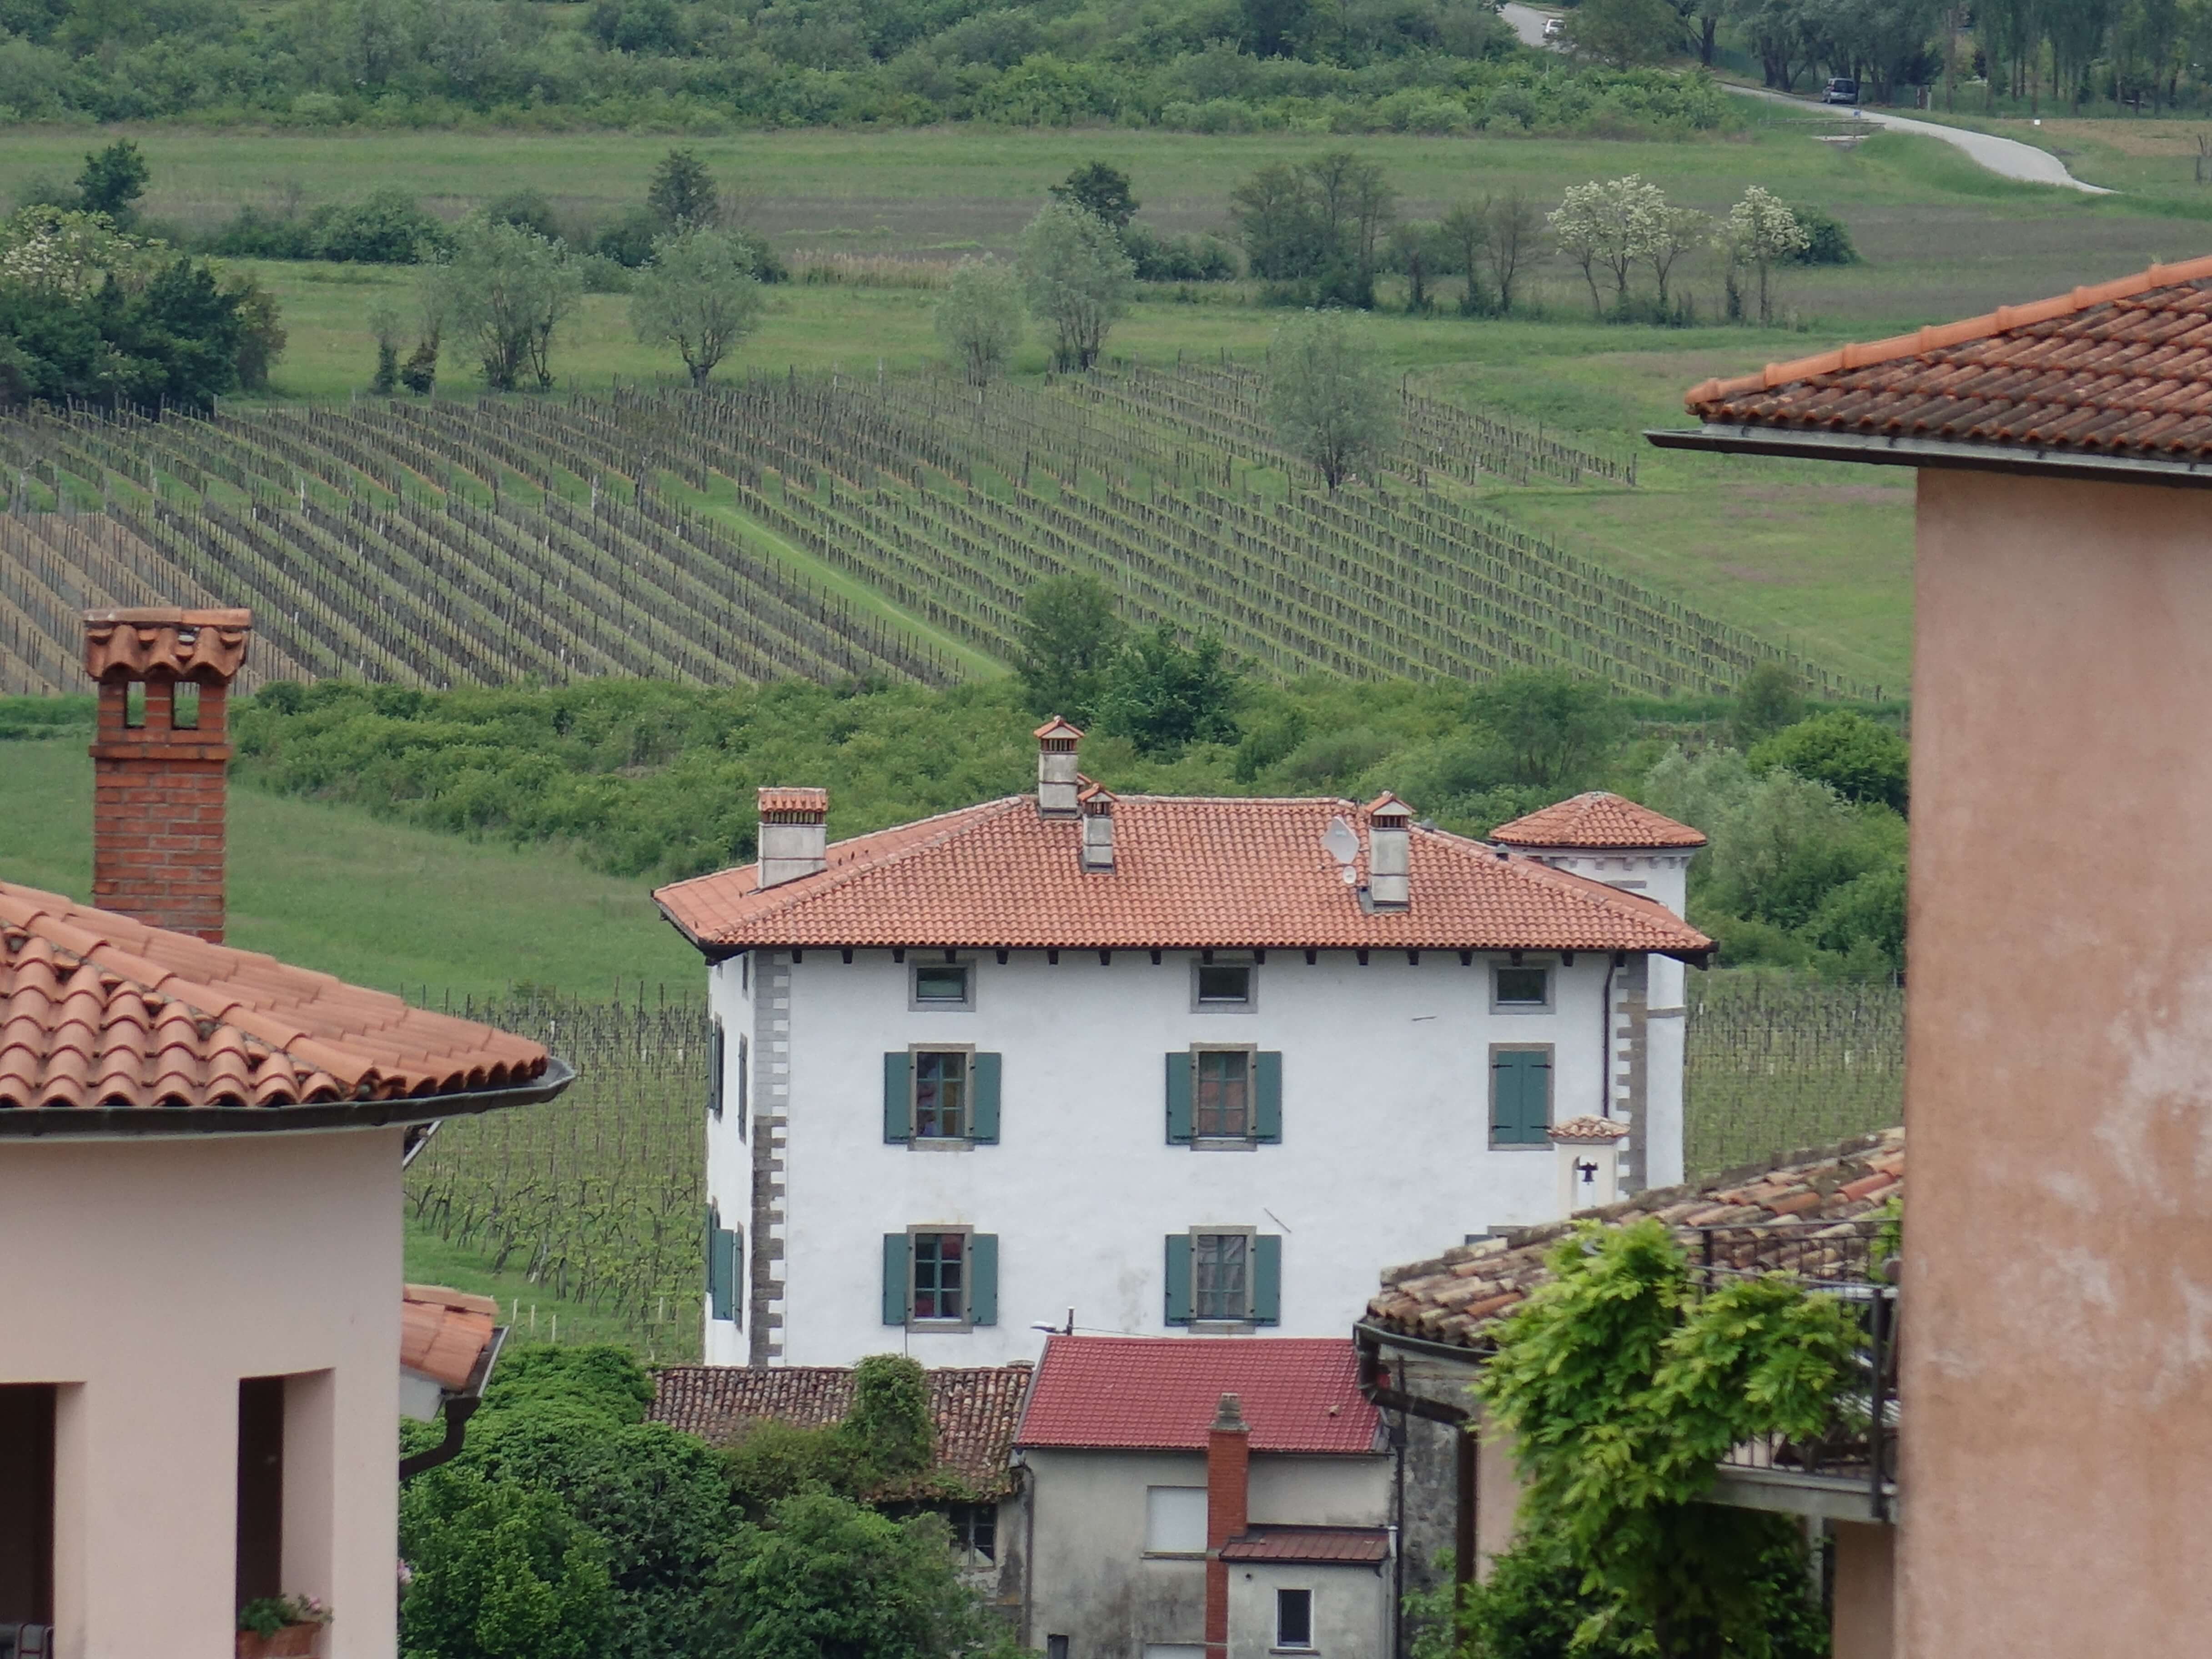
[
  {"x": 966, "y": 1138},
  {"x": 1246, "y": 1321},
  {"x": 937, "y": 1230},
  {"x": 916, "y": 1003},
  {"x": 1548, "y": 966},
  {"x": 1250, "y": 1138},
  {"x": 1249, "y": 962}
]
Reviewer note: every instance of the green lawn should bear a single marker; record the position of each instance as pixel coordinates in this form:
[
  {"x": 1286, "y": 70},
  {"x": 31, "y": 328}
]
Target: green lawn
[
  {"x": 380, "y": 904},
  {"x": 532, "y": 1313}
]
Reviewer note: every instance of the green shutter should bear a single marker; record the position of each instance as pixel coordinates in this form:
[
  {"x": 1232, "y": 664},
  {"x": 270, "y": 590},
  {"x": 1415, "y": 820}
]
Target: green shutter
[
  {"x": 715, "y": 1295},
  {"x": 898, "y": 1103},
  {"x": 1267, "y": 1098},
  {"x": 1178, "y": 1302},
  {"x": 1179, "y": 1113},
  {"x": 1268, "y": 1279},
  {"x": 724, "y": 1270},
  {"x": 1521, "y": 1096},
  {"x": 714, "y": 1072},
  {"x": 898, "y": 1279},
  {"x": 982, "y": 1278},
  {"x": 985, "y": 1085}
]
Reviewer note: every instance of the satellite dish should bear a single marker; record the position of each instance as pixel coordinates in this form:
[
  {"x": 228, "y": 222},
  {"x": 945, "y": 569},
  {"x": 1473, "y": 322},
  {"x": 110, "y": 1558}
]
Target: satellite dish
[{"x": 1342, "y": 843}]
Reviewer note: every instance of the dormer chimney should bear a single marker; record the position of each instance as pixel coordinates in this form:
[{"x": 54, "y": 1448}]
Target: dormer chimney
[
  {"x": 1228, "y": 1509},
  {"x": 1056, "y": 777},
  {"x": 1389, "y": 853},
  {"x": 158, "y": 755},
  {"x": 794, "y": 835},
  {"x": 1097, "y": 804}
]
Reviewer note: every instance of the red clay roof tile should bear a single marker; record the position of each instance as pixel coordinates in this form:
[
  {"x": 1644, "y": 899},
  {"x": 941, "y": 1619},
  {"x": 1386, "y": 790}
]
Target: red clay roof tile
[
  {"x": 1600, "y": 820},
  {"x": 2121, "y": 369},
  {"x": 206, "y": 644},
  {"x": 1159, "y": 1393},
  {"x": 1189, "y": 872},
  {"x": 442, "y": 1333},
  {"x": 1320, "y": 1546},
  {"x": 97, "y": 1009}
]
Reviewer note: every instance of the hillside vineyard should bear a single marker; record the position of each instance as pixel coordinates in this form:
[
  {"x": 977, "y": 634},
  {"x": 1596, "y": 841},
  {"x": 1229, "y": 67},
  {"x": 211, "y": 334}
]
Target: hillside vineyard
[{"x": 705, "y": 537}]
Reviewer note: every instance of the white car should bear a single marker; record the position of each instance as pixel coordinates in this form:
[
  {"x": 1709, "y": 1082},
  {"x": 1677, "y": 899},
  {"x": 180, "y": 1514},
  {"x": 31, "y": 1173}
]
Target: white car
[{"x": 1554, "y": 28}]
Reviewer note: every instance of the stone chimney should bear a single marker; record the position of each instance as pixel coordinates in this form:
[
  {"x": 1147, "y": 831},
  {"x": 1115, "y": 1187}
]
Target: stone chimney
[
  {"x": 1056, "y": 776},
  {"x": 158, "y": 755},
  {"x": 1587, "y": 1150},
  {"x": 1097, "y": 804},
  {"x": 794, "y": 835},
  {"x": 1389, "y": 853},
  {"x": 1228, "y": 1492}
]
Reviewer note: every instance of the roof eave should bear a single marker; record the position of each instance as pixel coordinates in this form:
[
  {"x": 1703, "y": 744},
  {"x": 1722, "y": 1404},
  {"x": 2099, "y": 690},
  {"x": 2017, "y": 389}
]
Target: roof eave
[
  {"x": 1872, "y": 449},
  {"x": 75, "y": 1123}
]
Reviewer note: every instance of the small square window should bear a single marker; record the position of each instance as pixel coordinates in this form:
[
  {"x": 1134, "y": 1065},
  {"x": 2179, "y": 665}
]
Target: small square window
[
  {"x": 940, "y": 1277},
  {"x": 1224, "y": 985},
  {"x": 1294, "y": 1618},
  {"x": 944, "y": 985},
  {"x": 1527, "y": 990},
  {"x": 940, "y": 1094},
  {"x": 1221, "y": 1277},
  {"x": 1222, "y": 1096}
]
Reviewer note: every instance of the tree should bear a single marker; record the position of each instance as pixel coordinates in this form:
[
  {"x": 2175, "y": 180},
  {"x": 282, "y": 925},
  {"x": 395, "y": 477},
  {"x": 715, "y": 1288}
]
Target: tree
[
  {"x": 682, "y": 193},
  {"x": 1674, "y": 232},
  {"x": 1161, "y": 694},
  {"x": 1066, "y": 646},
  {"x": 698, "y": 295},
  {"x": 1609, "y": 227},
  {"x": 1465, "y": 230},
  {"x": 1100, "y": 191},
  {"x": 1515, "y": 243},
  {"x": 1075, "y": 276},
  {"x": 979, "y": 319},
  {"x": 1318, "y": 225},
  {"x": 261, "y": 337},
  {"x": 506, "y": 291},
  {"x": 1760, "y": 232},
  {"x": 384, "y": 329},
  {"x": 1553, "y": 725},
  {"x": 1625, "y": 32},
  {"x": 889, "y": 1425},
  {"x": 112, "y": 181},
  {"x": 1860, "y": 760},
  {"x": 499, "y": 1572},
  {"x": 1331, "y": 403},
  {"x": 1771, "y": 697},
  {"x": 1275, "y": 28},
  {"x": 1779, "y": 35}
]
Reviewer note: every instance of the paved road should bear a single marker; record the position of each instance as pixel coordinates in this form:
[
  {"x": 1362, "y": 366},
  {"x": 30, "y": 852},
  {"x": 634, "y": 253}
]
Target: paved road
[{"x": 2007, "y": 157}]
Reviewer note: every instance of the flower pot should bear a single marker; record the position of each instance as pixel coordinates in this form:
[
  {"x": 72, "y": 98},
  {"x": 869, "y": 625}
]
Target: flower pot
[{"x": 293, "y": 1642}]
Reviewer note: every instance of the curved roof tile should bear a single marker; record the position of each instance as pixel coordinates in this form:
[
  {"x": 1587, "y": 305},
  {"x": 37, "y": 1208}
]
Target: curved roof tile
[{"x": 1597, "y": 820}]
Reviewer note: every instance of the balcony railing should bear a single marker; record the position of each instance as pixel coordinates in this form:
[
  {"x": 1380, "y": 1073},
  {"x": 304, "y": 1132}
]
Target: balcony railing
[{"x": 1857, "y": 1448}]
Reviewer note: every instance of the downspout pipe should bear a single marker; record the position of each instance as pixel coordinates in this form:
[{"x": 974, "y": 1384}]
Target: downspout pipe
[{"x": 457, "y": 1406}]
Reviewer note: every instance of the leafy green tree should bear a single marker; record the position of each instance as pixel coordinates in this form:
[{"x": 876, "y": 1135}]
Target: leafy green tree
[
  {"x": 1331, "y": 402},
  {"x": 1317, "y": 226},
  {"x": 1860, "y": 759},
  {"x": 1771, "y": 697},
  {"x": 600, "y": 1376},
  {"x": 825, "y": 1578},
  {"x": 506, "y": 291},
  {"x": 979, "y": 319},
  {"x": 1553, "y": 725},
  {"x": 698, "y": 295},
  {"x": 112, "y": 181},
  {"x": 1275, "y": 28},
  {"x": 1101, "y": 191},
  {"x": 1075, "y": 276},
  {"x": 889, "y": 1425},
  {"x": 1625, "y": 32},
  {"x": 384, "y": 327},
  {"x": 1611, "y": 227},
  {"x": 526, "y": 210},
  {"x": 1067, "y": 645},
  {"x": 1163, "y": 695},
  {"x": 682, "y": 193},
  {"x": 499, "y": 1571},
  {"x": 1863, "y": 921}
]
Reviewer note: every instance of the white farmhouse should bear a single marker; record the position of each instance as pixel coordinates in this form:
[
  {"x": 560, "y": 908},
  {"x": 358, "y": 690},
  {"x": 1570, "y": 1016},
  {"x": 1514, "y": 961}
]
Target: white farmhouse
[{"x": 1157, "y": 1065}]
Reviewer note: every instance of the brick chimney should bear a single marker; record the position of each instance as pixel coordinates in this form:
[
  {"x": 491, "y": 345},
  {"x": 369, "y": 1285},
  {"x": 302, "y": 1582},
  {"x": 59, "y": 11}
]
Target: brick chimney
[
  {"x": 794, "y": 835},
  {"x": 1098, "y": 803},
  {"x": 1057, "y": 778},
  {"x": 158, "y": 755},
  {"x": 1389, "y": 853},
  {"x": 1228, "y": 1470}
]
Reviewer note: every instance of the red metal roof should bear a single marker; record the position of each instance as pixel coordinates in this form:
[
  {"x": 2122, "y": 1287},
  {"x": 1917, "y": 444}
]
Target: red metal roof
[
  {"x": 1159, "y": 1393},
  {"x": 1189, "y": 872},
  {"x": 2122, "y": 368},
  {"x": 1597, "y": 820},
  {"x": 1350, "y": 1545}
]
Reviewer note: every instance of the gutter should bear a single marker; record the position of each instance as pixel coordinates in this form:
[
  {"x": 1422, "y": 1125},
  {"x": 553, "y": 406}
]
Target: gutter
[
  {"x": 1876, "y": 450},
  {"x": 77, "y": 1123},
  {"x": 458, "y": 1406}
]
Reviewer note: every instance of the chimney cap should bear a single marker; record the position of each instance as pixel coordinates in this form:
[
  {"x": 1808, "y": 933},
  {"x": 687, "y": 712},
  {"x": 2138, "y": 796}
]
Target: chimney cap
[
  {"x": 1057, "y": 730},
  {"x": 1229, "y": 1416},
  {"x": 1388, "y": 806},
  {"x": 804, "y": 805},
  {"x": 137, "y": 642},
  {"x": 1589, "y": 1131},
  {"x": 1096, "y": 798}
]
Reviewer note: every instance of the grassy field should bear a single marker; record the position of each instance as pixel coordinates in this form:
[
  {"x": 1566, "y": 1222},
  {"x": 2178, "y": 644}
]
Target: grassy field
[{"x": 380, "y": 904}]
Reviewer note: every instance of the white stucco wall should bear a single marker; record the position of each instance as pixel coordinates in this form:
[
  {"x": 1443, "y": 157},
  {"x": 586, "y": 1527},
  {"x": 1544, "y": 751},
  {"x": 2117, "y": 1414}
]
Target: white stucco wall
[
  {"x": 148, "y": 1277},
  {"x": 1350, "y": 1608},
  {"x": 1386, "y": 1082},
  {"x": 1092, "y": 1580}
]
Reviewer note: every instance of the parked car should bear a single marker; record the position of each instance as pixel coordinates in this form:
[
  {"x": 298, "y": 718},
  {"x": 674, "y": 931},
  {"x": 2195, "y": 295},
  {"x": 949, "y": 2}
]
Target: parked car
[
  {"x": 1554, "y": 28},
  {"x": 1841, "y": 90}
]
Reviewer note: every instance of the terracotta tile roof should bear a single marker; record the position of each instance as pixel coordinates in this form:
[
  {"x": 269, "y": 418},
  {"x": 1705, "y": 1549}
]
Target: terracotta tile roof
[
  {"x": 793, "y": 803},
  {"x": 2121, "y": 369},
  {"x": 208, "y": 645},
  {"x": 975, "y": 1409},
  {"x": 1597, "y": 820},
  {"x": 1455, "y": 1298},
  {"x": 1189, "y": 872},
  {"x": 1159, "y": 1393},
  {"x": 442, "y": 1333},
  {"x": 1320, "y": 1545},
  {"x": 1596, "y": 1131},
  {"x": 97, "y": 1009}
]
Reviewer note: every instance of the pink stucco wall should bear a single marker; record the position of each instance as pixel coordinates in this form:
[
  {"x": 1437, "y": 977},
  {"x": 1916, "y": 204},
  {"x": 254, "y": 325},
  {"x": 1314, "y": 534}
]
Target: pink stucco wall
[
  {"x": 2057, "y": 1339},
  {"x": 149, "y": 1277}
]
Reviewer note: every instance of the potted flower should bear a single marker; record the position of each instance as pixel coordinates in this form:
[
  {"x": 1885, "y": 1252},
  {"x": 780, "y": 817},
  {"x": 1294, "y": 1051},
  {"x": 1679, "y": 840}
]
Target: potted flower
[{"x": 280, "y": 1626}]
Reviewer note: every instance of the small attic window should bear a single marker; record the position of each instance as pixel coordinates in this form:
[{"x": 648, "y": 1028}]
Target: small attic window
[
  {"x": 944, "y": 985},
  {"x": 1522, "y": 990},
  {"x": 1224, "y": 985}
]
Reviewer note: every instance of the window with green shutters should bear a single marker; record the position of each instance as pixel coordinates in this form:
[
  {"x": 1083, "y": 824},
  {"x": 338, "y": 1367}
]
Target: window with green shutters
[
  {"x": 1520, "y": 1096},
  {"x": 937, "y": 1279},
  {"x": 1224, "y": 1276},
  {"x": 942, "y": 1095},
  {"x": 726, "y": 1255},
  {"x": 1216, "y": 1093},
  {"x": 715, "y": 1059}
]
